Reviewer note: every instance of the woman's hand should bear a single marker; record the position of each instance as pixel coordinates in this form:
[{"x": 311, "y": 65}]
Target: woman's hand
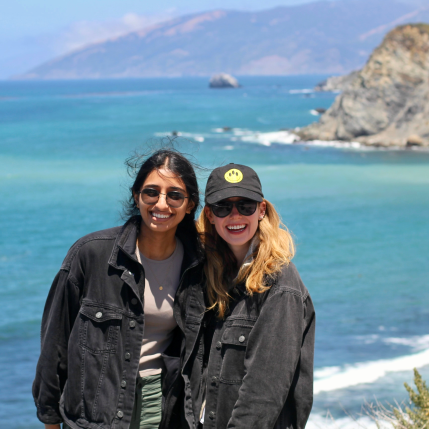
[{"x": 52, "y": 426}]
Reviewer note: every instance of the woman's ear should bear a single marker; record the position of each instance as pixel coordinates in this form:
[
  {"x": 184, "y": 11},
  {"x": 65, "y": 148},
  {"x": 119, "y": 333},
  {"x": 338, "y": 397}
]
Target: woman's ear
[
  {"x": 136, "y": 198},
  {"x": 262, "y": 210},
  {"x": 209, "y": 214},
  {"x": 191, "y": 205}
]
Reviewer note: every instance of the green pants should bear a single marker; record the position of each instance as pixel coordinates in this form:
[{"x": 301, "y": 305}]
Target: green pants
[{"x": 147, "y": 404}]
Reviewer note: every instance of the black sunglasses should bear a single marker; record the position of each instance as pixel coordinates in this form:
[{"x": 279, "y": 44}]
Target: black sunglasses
[
  {"x": 173, "y": 198},
  {"x": 224, "y": 208}
]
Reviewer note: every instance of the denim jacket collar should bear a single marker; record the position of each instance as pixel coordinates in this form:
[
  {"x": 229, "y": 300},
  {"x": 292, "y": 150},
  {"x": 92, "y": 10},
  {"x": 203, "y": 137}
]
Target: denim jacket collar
[
  {"x": 248, "y": 259},
  {"x": 125, "y": 245}
]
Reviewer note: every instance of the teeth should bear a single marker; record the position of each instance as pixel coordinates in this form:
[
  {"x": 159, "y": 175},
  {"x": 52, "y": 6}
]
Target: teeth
[
  {"x": 236, "y": 226},
  {"x": 160, "y": 216}
]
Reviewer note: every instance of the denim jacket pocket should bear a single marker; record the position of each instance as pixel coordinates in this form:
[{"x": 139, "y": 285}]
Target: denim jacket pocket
[
  {"x": 234, "y": 343},
  {"x": 99, "y": 328}
]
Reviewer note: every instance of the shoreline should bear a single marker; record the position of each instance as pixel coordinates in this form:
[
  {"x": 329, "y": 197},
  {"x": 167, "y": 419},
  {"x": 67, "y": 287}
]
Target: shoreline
[{"x": 282, "y": 137}]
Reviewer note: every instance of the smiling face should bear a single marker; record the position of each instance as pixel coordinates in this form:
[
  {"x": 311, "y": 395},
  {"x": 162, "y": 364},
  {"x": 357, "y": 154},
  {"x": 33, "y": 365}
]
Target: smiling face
[
  {"x": 159, "y": 216},
  {"x": 236, "y": 229}
]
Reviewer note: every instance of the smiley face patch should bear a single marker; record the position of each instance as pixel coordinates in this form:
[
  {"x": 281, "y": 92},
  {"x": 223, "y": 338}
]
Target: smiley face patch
[{"x": 233, "y": 176}]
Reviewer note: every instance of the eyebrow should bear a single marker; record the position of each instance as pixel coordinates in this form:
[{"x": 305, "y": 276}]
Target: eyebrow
[{"x": 149, "y": 185}]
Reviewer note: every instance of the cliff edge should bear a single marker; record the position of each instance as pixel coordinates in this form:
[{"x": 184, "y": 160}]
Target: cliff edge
[{"x": 387, "y": 102}]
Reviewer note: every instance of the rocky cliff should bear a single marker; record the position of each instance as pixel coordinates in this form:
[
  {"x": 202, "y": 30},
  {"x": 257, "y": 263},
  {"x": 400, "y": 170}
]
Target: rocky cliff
[
  {"x": 336, "y": 83},
  {"x": 387, "y": 103}
]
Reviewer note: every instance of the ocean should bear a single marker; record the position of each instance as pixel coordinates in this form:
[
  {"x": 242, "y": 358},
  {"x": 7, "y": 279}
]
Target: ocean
[{"x": 359, "y": 217}]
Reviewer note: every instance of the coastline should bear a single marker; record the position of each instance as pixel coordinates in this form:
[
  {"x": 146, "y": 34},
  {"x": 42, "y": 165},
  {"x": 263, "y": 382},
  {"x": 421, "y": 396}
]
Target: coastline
[{"x": 283, "y": 137}]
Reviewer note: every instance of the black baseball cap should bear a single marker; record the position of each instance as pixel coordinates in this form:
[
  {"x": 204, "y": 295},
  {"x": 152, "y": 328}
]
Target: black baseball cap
[{"x": 233, "y": 180}]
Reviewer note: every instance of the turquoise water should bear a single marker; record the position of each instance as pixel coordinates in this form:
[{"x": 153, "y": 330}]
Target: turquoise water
[{"x": 359, "y": 217}]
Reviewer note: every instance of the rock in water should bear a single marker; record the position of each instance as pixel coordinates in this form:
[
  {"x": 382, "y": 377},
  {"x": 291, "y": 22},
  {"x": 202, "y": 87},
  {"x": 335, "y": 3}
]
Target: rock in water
[
  {"x": 414, "y": 140},
  {"x": 336, "y": 83},
  {"x": 223, "y": 80},
  {"x": 388, "y": 100}
]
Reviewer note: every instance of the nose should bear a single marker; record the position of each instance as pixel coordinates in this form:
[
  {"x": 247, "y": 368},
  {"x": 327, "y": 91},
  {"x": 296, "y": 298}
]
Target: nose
[
  {"x": 234, "y": 212},
  {"x": 161, "y": 204}
]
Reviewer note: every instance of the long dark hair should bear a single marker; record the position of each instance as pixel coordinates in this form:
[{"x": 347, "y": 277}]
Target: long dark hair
[{"x": 139, "y": 166}]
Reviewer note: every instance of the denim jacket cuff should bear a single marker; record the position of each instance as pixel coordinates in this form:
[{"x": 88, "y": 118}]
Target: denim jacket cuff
[{"x": 49, "y": 415}]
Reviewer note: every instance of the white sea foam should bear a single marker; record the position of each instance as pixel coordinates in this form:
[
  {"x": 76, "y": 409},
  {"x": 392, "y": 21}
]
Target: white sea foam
[
  {"x": 416, "y": 343},
  {"x": 317, "y": 421},
  {"x": 314, "y": 112},
  {"x": 287, "y": 137},
  {"x": 334, "y": 378},
  {"x": 301, "y": 91},
  {"x": 337, "y": 144},
  {"x": 192, "y": 136},
  {"x": 266, "y": 139}
]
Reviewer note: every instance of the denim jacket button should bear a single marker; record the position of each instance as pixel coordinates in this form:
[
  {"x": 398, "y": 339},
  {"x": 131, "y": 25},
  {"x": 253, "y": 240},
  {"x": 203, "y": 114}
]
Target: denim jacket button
[
  {"x": 123, "y": 383},
  {"x": 134, "y": 301},
  {"x": 120, "y": 414},
  {"x": 127, "y": 356},
  {"x": 214, "y": 379},
  {"x": 242, "y": 338},
  {"x": 218, "y": 345},
  {"x": 132, "y": 323},
  {"x": 212, "y": 414},
  {"x": 99, "y": 315}
]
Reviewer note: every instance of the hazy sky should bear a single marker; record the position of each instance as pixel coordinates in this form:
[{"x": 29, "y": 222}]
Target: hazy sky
[
  {"x": 30, "y": 17},
  {"x": 34, "y": 31}
]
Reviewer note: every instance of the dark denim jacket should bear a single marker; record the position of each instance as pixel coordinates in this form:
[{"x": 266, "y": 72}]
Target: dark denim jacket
[
  {"x": 259, "y": 370},
  {"x": 92, "y": 331}
]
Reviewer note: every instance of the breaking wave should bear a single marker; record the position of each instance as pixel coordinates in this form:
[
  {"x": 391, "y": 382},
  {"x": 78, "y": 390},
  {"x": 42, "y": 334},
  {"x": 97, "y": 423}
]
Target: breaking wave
[
  {"x": 317, "y": 421},
  {"x": 336, "y": 377},
  {"x": 266, "y": 139},
  {"x": 283, "y": 136},
  {"x": 301, "y": 91}
]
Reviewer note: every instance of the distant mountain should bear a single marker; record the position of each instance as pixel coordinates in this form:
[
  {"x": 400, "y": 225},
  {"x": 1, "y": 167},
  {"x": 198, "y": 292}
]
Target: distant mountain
[{"x": 322, "y": 37}]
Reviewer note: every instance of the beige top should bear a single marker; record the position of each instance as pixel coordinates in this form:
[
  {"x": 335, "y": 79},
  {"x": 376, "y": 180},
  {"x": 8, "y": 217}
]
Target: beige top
[{"x": 162, "y": 281}]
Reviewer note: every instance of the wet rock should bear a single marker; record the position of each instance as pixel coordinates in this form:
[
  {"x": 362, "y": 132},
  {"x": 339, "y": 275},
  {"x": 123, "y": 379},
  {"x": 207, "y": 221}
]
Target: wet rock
[
  {"x": 223, "y": 80},
  {"x": 414, "y": 140}
]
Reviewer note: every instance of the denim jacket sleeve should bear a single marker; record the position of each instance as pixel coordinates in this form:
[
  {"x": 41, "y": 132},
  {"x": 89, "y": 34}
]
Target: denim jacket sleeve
[
  {"x": 61, "y": 309},
  {"x": 280, "y": 344}
]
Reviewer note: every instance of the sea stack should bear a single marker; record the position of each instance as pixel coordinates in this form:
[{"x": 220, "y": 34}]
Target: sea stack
[
  {"x": 387, "y": 102},
  {"x": 223, "y": 80}
]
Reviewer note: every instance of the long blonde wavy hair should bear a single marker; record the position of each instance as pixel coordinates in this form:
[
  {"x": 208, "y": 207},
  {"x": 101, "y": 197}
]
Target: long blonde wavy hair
[{"x": 276, "y": 248}]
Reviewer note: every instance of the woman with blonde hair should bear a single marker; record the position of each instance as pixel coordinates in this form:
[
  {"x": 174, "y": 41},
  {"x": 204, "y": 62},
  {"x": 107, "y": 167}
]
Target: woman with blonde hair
[{"x": 253, "y": 364}]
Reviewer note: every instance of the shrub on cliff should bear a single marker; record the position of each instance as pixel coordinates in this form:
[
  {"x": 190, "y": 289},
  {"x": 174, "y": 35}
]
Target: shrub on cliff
[{"x": 416, "y": 416}]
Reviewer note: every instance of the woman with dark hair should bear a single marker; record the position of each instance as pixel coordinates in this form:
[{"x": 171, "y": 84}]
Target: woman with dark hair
[{"x": 110, "y": 343}]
